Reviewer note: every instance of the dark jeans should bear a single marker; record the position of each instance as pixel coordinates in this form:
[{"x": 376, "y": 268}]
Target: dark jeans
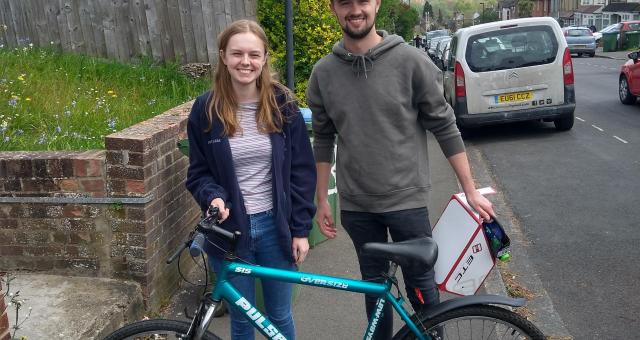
[{"x": 402, "y": 225}]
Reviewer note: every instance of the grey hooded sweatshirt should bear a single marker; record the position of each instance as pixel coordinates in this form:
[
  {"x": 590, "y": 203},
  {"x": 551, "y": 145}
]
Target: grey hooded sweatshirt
[{"x": 379, "y": 105}]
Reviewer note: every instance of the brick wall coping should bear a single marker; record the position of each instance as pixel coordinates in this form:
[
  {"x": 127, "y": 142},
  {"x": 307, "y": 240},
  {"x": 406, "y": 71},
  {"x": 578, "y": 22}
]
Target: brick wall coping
[{"x": 145, "y": 135}]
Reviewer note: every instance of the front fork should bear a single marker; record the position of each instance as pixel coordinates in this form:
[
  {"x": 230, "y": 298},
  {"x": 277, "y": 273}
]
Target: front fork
[{"x": 203, "y": 318}]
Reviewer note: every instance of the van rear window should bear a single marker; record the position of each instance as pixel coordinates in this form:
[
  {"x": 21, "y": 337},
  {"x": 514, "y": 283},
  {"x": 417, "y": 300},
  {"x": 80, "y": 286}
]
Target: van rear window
[{"x": 511, "y": 48}]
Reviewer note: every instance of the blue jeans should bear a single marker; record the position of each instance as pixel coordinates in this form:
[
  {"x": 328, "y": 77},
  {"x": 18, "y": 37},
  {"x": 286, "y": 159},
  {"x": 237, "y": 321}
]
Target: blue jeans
[
  {"x": 402, "y": 225},
  {"x": 265, "y": 250}
]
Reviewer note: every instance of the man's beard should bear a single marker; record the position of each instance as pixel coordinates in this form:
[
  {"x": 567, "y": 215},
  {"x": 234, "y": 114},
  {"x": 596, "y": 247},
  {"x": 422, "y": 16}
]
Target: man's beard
[{"x": 356, "y": 35}]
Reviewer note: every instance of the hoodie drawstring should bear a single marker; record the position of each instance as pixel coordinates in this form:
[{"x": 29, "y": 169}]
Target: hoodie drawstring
[{"x": 360, "y": 63}]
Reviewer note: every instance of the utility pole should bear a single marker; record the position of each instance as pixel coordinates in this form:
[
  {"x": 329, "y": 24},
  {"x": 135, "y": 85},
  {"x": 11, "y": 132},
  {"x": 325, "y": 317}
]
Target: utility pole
[
  {"x": 288, "y": 13},
  {"x": 482, "y": 13}
]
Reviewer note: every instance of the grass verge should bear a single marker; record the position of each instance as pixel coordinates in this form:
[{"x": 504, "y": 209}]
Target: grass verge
[{"x": 58, "y": 101}]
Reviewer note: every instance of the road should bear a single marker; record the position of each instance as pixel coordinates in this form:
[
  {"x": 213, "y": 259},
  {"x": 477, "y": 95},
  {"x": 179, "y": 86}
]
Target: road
[{"x": 575, "y": 197}]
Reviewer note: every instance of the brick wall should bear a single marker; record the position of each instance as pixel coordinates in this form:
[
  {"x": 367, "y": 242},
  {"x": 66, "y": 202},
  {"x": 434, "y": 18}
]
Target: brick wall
[{"x": 92, "y": 233}]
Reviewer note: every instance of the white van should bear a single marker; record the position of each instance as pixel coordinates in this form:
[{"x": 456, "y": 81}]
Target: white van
[{"x": 512, "y": 70}]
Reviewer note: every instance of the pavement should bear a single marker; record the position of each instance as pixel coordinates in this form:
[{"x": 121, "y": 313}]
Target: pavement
[{"x": 619, "y": 55}]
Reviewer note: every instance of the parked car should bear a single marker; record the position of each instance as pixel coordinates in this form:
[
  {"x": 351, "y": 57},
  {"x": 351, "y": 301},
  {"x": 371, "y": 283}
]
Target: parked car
[
  {"x": 629, "y": 80},
  {"x": 580, "y": 41},
  {"x": 442, "y": 44},
  {"x": 610, "y": 28},
  {"x": 512, "y": 70},
  {"x": 436, "y": 33},
  {"x": 433, "y": 43}
]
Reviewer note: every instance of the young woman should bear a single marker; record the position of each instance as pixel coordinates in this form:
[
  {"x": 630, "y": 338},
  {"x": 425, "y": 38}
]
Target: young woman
[{"x": 250, "y": 156}]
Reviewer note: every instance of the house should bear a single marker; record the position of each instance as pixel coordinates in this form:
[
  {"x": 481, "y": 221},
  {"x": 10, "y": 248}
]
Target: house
[
  {"x": 619, "y": 11},
  {"x": 587, "y": 15}
]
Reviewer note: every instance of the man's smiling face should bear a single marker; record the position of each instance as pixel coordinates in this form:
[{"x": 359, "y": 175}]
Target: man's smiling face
[{"x": 356, "y": 17}]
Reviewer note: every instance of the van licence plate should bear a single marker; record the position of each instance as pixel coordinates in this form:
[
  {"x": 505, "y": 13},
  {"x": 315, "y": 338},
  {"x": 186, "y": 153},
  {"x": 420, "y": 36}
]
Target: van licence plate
[{"x": 514, "y": 97}]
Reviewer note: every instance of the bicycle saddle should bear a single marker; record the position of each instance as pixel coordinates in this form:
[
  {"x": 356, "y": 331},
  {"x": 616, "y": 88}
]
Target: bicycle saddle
[{"x": 422, "y": 251}]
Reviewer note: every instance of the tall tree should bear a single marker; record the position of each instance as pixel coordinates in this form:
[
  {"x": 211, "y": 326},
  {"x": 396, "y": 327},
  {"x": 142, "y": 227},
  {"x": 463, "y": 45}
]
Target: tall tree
[{"x": 525, "y": 8}]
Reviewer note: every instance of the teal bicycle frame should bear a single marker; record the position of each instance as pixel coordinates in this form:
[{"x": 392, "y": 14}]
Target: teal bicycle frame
[{"x": 225, "y": 290}]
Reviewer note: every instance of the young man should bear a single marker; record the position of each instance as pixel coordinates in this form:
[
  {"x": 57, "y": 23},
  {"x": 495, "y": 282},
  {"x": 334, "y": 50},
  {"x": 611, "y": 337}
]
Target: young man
[{"x": 378, "y": 95}]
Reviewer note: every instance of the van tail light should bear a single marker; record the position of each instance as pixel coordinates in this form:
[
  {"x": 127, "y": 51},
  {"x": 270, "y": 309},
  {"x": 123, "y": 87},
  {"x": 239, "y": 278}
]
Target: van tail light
[
  {"x": 567, "y": 68},
  {"x": 459, "y": 81}
]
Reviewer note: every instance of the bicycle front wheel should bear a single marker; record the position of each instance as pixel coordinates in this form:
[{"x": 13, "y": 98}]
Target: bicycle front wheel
[
  {"x": 155, "y": 329},
  {"x": 475, "y": 322}
]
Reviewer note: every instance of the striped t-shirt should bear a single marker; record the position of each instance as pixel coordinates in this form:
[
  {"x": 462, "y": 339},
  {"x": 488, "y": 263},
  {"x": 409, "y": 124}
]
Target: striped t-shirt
[{"x": 251, "y": 151}]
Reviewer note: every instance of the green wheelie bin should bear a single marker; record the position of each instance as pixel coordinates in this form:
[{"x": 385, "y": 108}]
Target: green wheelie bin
[
  {"x": 609, "y": 42},
  {"x": 632, "y": 40}
]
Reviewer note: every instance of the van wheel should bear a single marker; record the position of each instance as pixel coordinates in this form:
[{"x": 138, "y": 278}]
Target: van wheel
[
  {"x": 592, "y": 54},
  {"x": 623, "y": 90},
  {"x": 564, "y": 124}
]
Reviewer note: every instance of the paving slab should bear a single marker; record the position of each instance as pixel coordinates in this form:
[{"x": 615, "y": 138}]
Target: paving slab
[{"x": 68, "y": 307}]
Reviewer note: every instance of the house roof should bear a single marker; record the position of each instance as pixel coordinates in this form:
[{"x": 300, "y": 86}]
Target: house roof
[
  {"x": 588, "y": 8},
  {"x": 565, "y": 14},
  {"x": 622, "y": 7}
]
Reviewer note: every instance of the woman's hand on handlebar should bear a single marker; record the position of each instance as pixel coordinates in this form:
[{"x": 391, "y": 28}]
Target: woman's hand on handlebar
[{"x": 223, "y": 213}]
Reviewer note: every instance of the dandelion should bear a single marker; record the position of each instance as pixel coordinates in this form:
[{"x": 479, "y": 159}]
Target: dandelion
[
  {"x": 114, "y": 95},
  {"x": 110, "y": 92},
  {"x": 21, "y": 77},
  {"x": 28, "y": 99}
]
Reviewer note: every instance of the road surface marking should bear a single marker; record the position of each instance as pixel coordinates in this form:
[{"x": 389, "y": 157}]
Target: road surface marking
[
  {"x": 597, "y": 128},
  {"x": 580, "y": 119},
  {"x": 620, "y": 139}
]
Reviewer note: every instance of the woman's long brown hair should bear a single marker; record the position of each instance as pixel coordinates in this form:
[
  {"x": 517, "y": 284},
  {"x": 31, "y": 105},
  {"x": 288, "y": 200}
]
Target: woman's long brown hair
[{"x": 225, "y": 104}]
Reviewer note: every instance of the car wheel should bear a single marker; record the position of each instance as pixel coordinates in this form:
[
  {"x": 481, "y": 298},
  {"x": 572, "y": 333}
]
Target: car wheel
[
  {"x": 623, "y": 90},
  {"x": 564, "y": 124},
  {"x": 579, "y": 55},
  {"x": 593, "y": 54}
]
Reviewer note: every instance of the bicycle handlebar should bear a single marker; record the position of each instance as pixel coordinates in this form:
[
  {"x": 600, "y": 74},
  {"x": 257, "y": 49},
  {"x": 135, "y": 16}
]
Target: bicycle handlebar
[{"x": 206, "y": 225}]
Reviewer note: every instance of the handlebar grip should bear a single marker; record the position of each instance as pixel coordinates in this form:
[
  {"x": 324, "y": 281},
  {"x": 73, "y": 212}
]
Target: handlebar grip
[
  {"x": 197, "y": 245},
  {"x": 176, "y": 254}
]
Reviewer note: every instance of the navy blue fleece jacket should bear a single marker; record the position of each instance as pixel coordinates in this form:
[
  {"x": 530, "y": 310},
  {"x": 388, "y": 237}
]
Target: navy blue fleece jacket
[{"x": 211, "y": 174}]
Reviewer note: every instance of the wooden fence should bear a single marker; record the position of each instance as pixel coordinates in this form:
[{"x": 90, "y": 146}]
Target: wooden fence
[{"x": 165, "y": 30}]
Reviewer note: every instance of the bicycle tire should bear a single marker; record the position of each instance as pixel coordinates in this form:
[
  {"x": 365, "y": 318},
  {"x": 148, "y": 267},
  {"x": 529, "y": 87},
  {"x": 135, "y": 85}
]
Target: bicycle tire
[
  {"x": 155, "y": 329},
  {"x": 467, "y": 322}
]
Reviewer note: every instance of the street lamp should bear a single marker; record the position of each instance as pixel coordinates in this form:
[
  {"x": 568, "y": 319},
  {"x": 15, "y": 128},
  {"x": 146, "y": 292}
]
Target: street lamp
[{"x": 482, "y": 13}]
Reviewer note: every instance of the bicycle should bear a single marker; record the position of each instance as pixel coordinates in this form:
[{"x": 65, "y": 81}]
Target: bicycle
[{"x": 458, "y": 318}]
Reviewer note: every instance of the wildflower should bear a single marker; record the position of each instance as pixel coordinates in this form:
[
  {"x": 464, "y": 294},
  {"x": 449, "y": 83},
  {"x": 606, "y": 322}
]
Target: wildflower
[
  {"x": 6, "y": 139},
  {"x": 73, "y": 103},
  {"x": 114, "y": 95},
  {"x": 28, "y": 99},
  {"x": 151, "y": 102},
  {"x": 58, "y": 129},
  {"x": 1, "y": 45},
  {"x": 31, "y": 45},
  {"x": 19, "y": 132},
  {"x": 21, "y": 77},
  {"x": 112, "y": 123},
  {"x": 13, "y": 102},
  {"x": 110, "y": 92},
  {"x": 42, "y": 139}
]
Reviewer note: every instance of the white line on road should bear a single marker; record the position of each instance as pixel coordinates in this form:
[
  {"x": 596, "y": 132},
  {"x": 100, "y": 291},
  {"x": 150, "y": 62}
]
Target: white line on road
[
  {"x": 620, "y": 139},
  {"x": 597, "y": 128},
  {"x": 580, "y": 119}
]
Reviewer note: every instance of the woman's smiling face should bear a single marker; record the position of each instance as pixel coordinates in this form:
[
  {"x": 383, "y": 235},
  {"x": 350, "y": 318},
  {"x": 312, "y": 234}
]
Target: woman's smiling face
[{"x": 244, "y": 57}]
